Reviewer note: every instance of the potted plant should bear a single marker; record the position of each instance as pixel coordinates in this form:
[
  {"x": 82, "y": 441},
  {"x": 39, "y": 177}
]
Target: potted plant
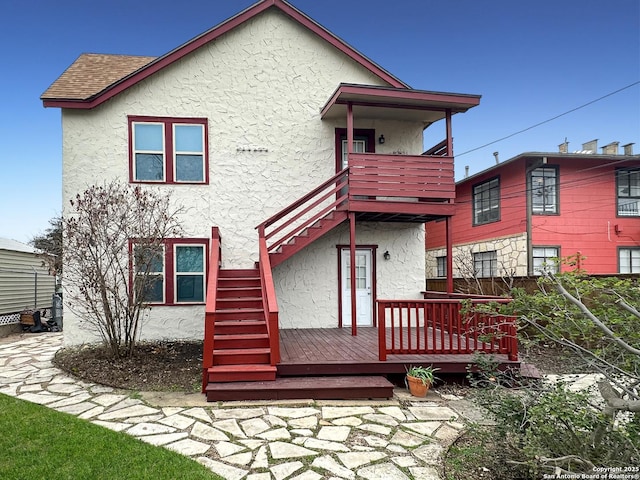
[{"x": 419, "y": 379}]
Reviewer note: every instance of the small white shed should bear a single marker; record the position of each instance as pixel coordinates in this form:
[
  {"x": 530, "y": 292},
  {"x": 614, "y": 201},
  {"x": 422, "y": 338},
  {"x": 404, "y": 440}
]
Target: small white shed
[{"x": 25, "y": 283}]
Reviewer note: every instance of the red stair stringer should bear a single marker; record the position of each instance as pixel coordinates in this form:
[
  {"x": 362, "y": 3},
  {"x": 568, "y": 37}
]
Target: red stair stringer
[{"x": 321, "y": 227}]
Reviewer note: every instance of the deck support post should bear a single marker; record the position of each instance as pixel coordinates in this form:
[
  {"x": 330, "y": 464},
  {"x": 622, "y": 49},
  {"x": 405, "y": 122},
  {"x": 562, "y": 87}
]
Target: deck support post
[
  {"x": 449, "y": 258},
  {"x": 449, "y": 134},
  {"x": 352, "y": 270}
]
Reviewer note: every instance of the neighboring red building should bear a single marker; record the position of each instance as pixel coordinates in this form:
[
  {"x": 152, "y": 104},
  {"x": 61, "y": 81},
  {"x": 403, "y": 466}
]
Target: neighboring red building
[{"x": 518, "y": 215}]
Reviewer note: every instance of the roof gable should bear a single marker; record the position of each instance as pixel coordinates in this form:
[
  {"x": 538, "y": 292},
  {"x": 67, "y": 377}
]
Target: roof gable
[{"x": 87, "y": 83}]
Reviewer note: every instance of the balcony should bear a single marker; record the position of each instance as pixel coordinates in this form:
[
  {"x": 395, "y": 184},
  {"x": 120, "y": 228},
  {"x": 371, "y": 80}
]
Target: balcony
[{"x": 399, "y": 188}]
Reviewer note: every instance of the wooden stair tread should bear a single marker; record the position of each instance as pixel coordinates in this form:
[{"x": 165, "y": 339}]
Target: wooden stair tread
[
  {"x": 243, "y": 368},
  {"x": 240, "y": 309},
  {"x": 241, "y": 351},
  {"x": 240, "y": 336},
  {"x": 350, "y": 387}
]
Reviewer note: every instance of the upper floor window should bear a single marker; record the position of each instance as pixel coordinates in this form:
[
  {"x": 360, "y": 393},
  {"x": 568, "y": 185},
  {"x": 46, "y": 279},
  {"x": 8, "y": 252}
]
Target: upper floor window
[
  {"x": 485, "y": 264},
  {"x": 628, "y": 180},
  {"x": 176, "y": 271},
  {"x": 544, "y": 190},
  {"x": 545, "y": 259},
  {"x": 629, "y": 260},
  {"x": 168, "y": 150},
  {"x": 486, "y": 202}
]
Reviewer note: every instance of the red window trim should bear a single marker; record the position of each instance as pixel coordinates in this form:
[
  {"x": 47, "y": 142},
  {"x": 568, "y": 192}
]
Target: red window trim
[
  {"x": 169, "y": 269},
  {"x": 168, "y": 123}
]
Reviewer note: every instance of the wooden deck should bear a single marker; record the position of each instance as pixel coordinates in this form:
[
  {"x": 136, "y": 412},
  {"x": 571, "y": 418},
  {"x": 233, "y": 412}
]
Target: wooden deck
[{"x": 334, "y": 351}]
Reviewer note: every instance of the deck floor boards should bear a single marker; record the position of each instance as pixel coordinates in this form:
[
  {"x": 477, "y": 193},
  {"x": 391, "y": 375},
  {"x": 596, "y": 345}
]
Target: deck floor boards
[{"x": 334, "y": 351}]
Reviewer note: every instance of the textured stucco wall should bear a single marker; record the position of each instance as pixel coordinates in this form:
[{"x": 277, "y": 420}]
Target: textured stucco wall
[
  {"x": 261, "y": 86},
  {"x": 511, "y": 253},
  {"x": 307, "y": 283}
]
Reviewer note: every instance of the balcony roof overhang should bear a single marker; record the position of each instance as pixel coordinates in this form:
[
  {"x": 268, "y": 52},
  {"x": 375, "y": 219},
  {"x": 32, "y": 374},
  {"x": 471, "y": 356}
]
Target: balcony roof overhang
[{"x": 406, "y": 104}]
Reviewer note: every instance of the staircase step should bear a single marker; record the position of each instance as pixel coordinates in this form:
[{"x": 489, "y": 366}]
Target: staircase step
[
  {"x": 241, "y": 373},
  {"x": 310, "y": 235},
  {"x": 240, "y": 327},
  {"x": 239, "y": 292},
  {"x": 237, "y": 282},
  {"x": 242, "y": 356},
  {"x": 254, "y": 303},
  {"x": 240, "y": 273},
  {"x": 248, "y": 340},
  {"x": 315, "y": 388},
  {"x": 240, "y": 314}
]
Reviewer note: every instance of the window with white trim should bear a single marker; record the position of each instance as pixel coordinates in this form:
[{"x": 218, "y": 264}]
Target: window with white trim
[
  {"x": 441, "y": 266},
  {"x": 486, "y": 202},
  {"x": 544, "y": 190},
  {"x": 168, "y": 150},
  {"x": 544, "y": 259},
  {"x": 485, "y": 264},
  {"x": 628, "y": 195},
  {"x": 629, "y": 260},
  {"x": 177, "y": 271}
]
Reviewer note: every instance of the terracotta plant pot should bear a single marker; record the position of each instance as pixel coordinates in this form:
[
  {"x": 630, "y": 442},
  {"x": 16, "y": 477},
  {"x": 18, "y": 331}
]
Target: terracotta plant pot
[{"x": 417, "y": 387}]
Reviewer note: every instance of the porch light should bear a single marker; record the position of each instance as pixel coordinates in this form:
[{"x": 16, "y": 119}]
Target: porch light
[
  {"x": 381, "y": 139},
  {"x": 386, "y": 255}
]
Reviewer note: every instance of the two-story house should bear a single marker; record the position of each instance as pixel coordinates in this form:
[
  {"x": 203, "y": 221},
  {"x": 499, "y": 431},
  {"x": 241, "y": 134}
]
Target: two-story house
[
  {"x": 292, "y": 153},
  {"x": 522, "y": 214}
]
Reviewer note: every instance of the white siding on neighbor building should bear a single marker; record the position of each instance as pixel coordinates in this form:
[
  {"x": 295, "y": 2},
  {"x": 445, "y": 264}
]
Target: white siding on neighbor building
[
  {"x": 24, "y": 282},
  {"x": 261, "y": 86}
]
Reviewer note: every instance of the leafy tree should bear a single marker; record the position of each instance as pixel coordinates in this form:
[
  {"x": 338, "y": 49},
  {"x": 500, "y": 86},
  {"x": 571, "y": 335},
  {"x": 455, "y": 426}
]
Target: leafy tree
[
  {"x": 50, "y": 243},
  {"x": 113, "y": 238}
]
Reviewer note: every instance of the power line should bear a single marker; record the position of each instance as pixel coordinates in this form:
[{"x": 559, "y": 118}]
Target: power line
[{"x": 550, "y": 119}]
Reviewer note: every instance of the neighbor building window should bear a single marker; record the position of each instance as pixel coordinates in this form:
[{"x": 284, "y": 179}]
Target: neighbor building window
[
  {"x": 441, "y": 266},
  {"x": 545, "y": 259},
  {"x": 628, "y": 181},
  {"x": 177, "y": 271},
  {"x": 486, "y": 202},
  {"x": 168, "y": 150},
  {"x": 544, "y": 190},
  {"x": 629, "y": 260},
  {"x": 485, "y": 264}
]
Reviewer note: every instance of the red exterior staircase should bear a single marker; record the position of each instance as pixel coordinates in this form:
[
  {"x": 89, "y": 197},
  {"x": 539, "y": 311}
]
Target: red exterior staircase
[
  {"x": 307, "y": 236},
  {"x": 241, "y": 349}
]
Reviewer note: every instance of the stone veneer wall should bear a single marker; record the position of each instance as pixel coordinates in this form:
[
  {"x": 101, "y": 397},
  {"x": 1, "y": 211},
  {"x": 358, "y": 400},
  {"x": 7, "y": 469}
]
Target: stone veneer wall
[
  {"x": 261, "y": 86},
  {"x": 511, "y": 253}
]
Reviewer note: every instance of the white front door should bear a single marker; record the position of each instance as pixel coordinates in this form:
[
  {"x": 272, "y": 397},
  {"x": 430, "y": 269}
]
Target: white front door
[{"x": 364, "y": 299}]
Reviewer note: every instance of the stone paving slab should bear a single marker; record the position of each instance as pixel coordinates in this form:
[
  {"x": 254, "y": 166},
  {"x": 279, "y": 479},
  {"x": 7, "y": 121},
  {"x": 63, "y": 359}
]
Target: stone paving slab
[{"x": 401, "y": 438}]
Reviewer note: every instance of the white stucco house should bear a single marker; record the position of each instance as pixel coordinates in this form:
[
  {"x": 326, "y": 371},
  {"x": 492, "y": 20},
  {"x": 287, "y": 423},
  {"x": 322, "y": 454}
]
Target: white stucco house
[{"x": 290, "y": 146}]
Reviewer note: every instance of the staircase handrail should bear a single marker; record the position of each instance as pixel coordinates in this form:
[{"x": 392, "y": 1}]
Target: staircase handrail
[
  {"x": 285, "y": 211},
  {"x": 269, "y": 299},
  {"x": 215, "y": 259},
  {"x": 317, "y": 195}
]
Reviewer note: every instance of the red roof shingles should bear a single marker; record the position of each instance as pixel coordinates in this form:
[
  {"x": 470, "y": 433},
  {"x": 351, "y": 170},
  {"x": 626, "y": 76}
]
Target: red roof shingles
[{"x": 91, "y": 73}]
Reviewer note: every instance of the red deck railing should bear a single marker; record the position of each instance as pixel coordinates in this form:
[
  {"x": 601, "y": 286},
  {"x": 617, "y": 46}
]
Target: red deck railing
[
  {"x": 421, "y": 177},
  {"x": 269, "y": 302},
  {"x": 210, "y": 308},
  {"x": 440, "y": 326}
]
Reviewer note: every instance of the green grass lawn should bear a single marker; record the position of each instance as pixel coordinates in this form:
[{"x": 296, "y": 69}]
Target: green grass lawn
[{"x": 42, "y": 444}]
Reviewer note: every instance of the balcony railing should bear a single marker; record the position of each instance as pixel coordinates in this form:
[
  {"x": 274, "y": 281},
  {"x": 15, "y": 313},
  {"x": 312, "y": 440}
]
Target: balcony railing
[{"x": 401, "y": 177}]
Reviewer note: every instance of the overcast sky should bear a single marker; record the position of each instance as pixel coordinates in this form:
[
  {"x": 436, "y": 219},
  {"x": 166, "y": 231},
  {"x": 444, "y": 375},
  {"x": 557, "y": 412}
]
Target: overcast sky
[{"x": 530, "y": 61}]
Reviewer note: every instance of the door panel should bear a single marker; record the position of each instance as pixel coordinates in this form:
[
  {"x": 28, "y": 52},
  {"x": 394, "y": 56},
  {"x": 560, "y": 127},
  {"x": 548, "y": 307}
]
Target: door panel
[{"x": 364, "y": 298}]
